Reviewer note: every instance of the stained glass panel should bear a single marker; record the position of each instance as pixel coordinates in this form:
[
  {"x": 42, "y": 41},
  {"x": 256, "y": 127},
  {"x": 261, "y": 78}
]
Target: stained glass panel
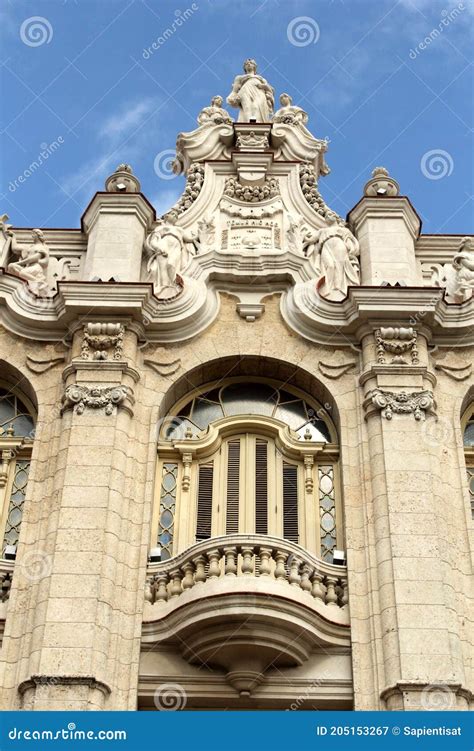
[
  {"x": 327, "y": 511},
  {"x": 167, "y": 509},
  {"x": 17, "y": 499}
]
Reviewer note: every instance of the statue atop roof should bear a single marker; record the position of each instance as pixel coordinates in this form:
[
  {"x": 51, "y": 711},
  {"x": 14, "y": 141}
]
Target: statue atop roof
[{"x": 252, "y": 95}]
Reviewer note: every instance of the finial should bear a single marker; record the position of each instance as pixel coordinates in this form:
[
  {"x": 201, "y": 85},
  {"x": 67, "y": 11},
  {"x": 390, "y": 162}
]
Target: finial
[
  {"x": 122, "y": 181},
  {"x": 381, "y": 184}
]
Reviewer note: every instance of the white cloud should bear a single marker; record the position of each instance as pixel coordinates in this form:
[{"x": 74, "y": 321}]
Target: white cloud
[{"x": 126, "y": 120}]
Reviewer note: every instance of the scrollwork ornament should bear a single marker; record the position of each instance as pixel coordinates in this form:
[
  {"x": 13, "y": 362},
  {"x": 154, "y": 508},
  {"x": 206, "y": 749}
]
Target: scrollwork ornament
[
  {"x": 415, "y": 402},
  {"x": 80, "y": 397}
]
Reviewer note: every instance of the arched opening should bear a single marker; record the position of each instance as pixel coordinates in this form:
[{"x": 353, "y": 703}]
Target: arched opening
[{"x": 248, "y": 453}]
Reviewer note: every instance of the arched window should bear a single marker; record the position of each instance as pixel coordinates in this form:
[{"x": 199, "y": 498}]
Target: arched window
[
  {"x": 468, "y": 440},
  {"x": 242, "y": 457},
  {"x": 17, "y": 421}
]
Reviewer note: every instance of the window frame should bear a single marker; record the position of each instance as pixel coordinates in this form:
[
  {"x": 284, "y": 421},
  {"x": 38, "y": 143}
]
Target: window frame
[{"x": 13, "y": 449}]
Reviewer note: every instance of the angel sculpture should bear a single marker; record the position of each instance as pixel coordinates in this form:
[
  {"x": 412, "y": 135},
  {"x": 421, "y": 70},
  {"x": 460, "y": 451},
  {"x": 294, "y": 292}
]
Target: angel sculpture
[{"x": 334, "y": 253}]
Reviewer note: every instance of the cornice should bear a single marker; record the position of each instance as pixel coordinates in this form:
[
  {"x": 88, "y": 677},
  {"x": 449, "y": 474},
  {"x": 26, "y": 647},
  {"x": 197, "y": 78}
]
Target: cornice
[{"x": 385, "y": 206}]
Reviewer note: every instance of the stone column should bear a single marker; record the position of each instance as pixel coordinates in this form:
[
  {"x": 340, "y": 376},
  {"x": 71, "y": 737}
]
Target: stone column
[
  {"x": 414, "y": 606},
  {"x": 386, "y": 228},
  {"x": 85, "y": 625},
  {"x": 116, "y": 225}
]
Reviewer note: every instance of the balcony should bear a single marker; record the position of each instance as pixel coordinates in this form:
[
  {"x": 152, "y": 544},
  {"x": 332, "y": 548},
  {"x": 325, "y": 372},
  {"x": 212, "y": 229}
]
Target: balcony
[{"x": 246, "y": 604}]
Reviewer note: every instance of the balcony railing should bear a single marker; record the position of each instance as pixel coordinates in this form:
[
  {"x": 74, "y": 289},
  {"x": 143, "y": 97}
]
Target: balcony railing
[{"x": 247, "y": 556}]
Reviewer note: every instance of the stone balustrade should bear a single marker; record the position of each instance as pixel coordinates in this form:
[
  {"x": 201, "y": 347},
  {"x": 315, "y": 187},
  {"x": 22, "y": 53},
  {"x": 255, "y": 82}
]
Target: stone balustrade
[{"x": 247, "y": 556}]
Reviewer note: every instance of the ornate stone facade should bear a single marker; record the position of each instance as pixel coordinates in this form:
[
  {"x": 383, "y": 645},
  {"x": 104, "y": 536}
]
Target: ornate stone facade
[{"x": 249, "y": 401}]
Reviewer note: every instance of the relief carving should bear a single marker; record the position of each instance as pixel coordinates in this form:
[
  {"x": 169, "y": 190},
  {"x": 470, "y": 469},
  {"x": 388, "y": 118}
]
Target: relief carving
[
  {"x": 397, "y": 341},
  {"x": 416, "y": 403},
  {"x": 251, "y": 193},
  {"x": 80, "y": 397},
  {"x": 101, "y": 337}
]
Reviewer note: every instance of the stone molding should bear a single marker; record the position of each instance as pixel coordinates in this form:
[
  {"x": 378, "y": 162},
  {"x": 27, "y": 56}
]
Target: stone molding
[
  {"x": 63, "y": 680},
  {"x": 99, "y": 338},
  {"x": 397, "y": 341}
]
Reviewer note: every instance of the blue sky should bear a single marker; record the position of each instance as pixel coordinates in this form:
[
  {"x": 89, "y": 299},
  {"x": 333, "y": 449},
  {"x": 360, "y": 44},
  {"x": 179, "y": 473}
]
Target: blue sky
[{"x": 75, "y": 73}]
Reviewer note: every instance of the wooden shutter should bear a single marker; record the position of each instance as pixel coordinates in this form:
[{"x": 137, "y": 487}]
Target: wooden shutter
[
  {"x": 233, "y": 485},
  {"x": 204, "y": 505},
  {"x": 261, "y": 487},
  {"x": 290, "y": 502}
]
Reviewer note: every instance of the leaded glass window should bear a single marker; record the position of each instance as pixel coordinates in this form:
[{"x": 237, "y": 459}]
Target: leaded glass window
[
  {"x": 17, "y": 428},
  {"x": 468, "y": 440},
  {"x": 167, "y": 509}
]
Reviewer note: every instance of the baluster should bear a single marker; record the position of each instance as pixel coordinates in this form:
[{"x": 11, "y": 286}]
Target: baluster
[
  {"x": 265, "y": 555},
  {"x": 305, "y": 583},
  {"x": 331, "y": 596},
  {"x": 345, "y": 593},
  {"x": 247, "y": 561},
  {"x": 175, "y": 589},
  {"x": 149, "y": 589},
  {"x": 317, "y": 589},
  {"x": 161, "y": 589},
  {"x": 230, "y": 561},
  {"x": 280, "y": 559},
  {"x": 214, "y": 569},
  {"x": 188, "y": 570},
  {"x": 200, "y": 563},
  {"x": 294, "y": 577}
]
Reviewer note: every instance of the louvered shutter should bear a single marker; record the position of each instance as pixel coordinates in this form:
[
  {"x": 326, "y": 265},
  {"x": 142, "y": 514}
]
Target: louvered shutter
[
  {"x": 290, "y": 502},
  {"x": 204, "y": 505},
  {"x": 233, "y": 486},
  {"x": 261, "y": 487}
]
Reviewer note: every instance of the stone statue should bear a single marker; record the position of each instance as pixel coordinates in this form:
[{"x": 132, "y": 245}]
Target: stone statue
[
  {"x": 463, "y": 264},
  {"x": 214, "y": 114},
  {"x": 294, "y": 236},
  {"x": 206, "y": 233},
  {"x": 32, "y": 265},
  {"x": 334, "y": 253},
  {"x": 289, "y": 113},
  {"x": 292, "y": 139},
  {"x": 169, "y": 252},
  {"x": 252, "y": 95},
  {"x": 211, "y": 140}
]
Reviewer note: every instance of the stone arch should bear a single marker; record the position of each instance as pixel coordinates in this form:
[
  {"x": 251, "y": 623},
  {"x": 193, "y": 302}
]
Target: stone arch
[{"x": 252, "y": 366}]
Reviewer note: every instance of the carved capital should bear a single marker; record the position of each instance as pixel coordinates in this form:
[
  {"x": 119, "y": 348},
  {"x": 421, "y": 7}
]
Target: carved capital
[
  {"x": 79, "y": 397},
  {"x": 417, "y": 403}
]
